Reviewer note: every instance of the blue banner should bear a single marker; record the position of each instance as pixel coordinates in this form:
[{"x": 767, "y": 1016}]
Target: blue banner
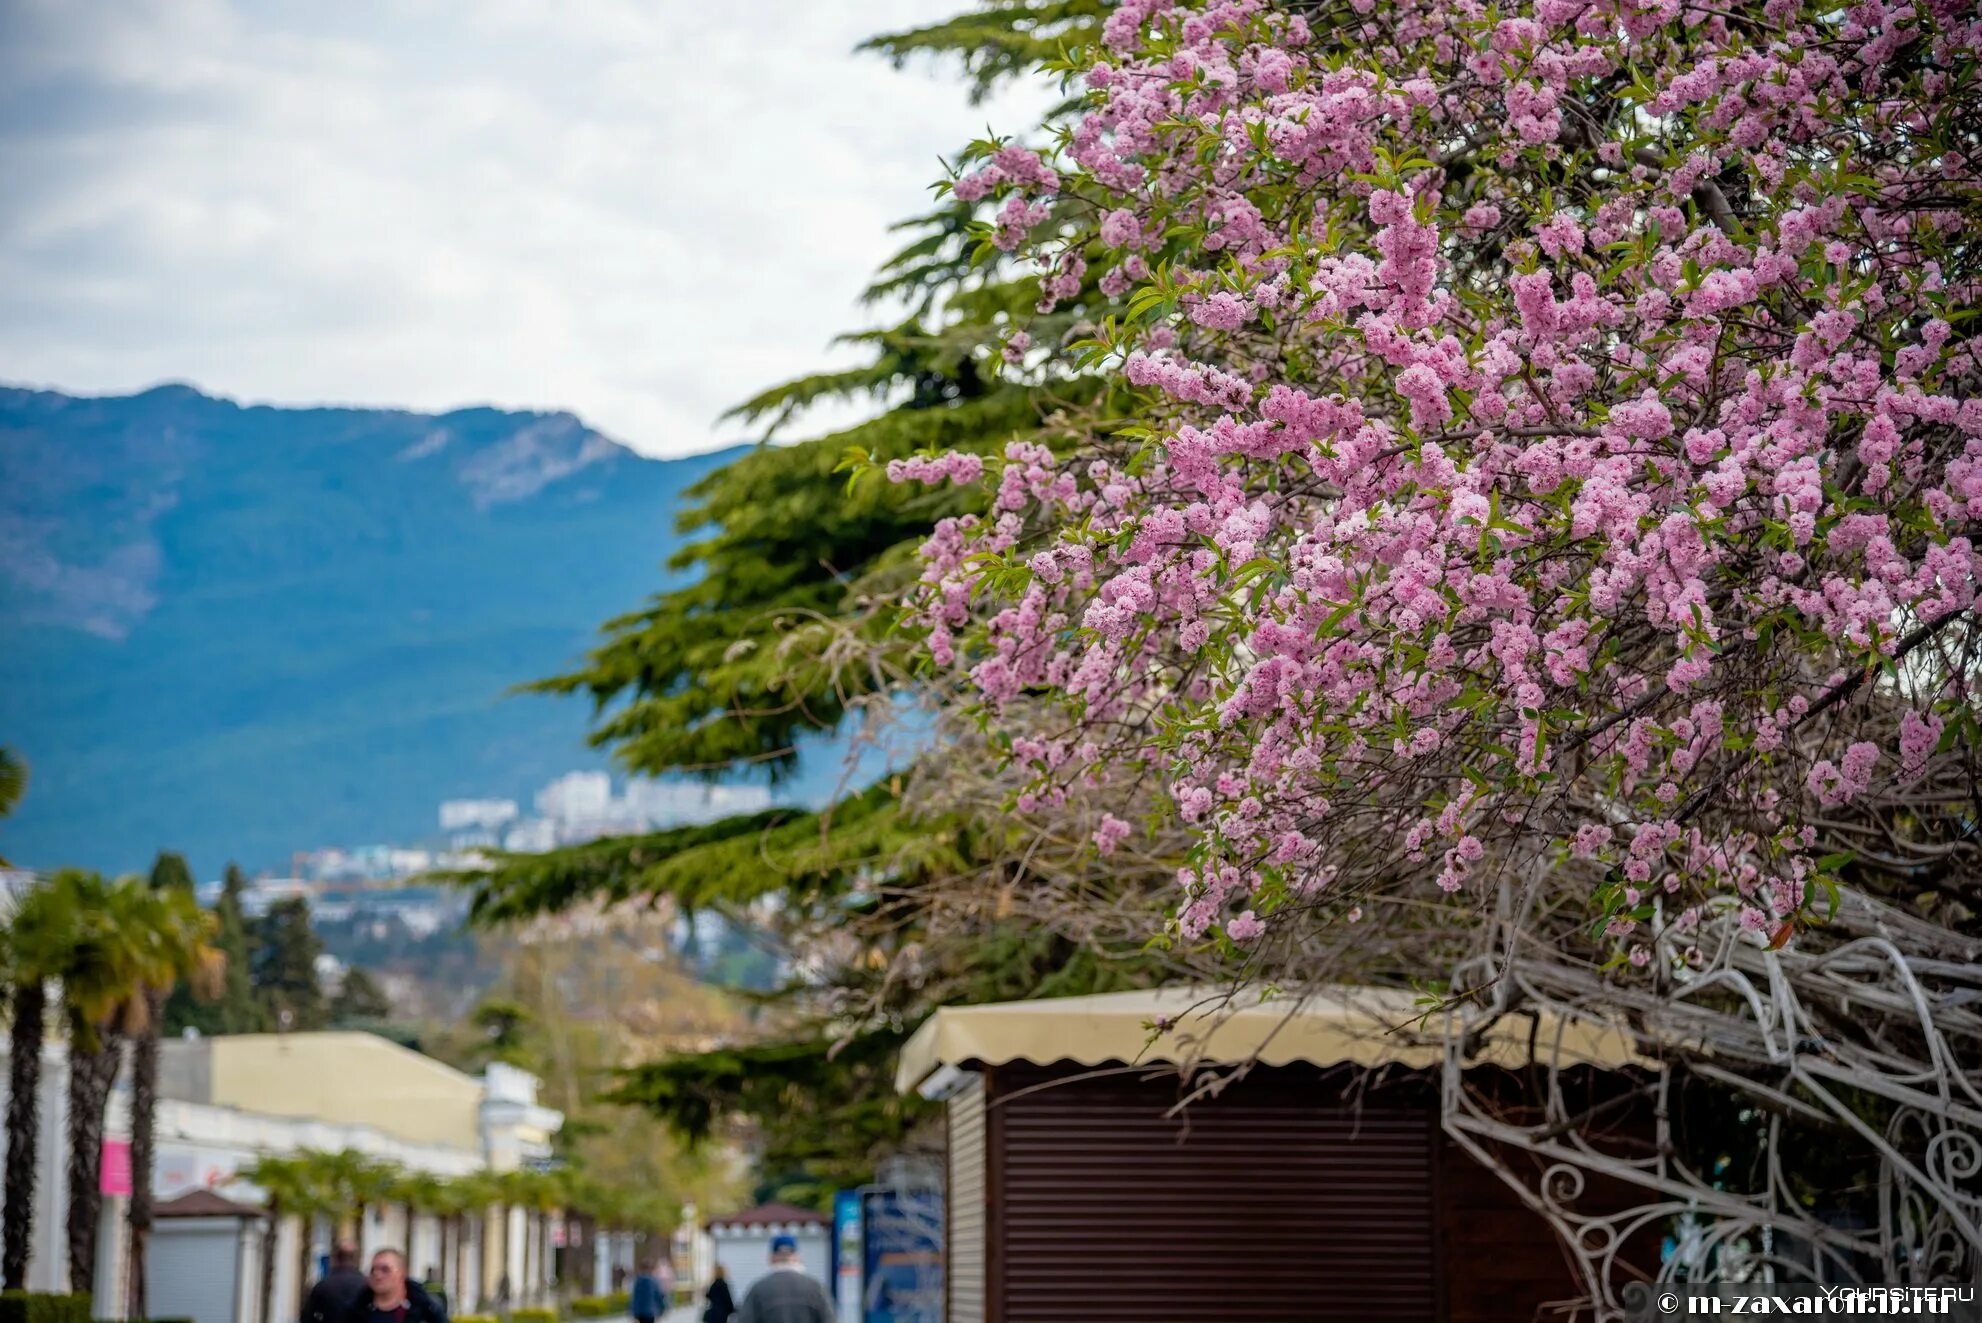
[
  {"x": 847, "y": 1257},
  {"x": 902, "y": 1251}
]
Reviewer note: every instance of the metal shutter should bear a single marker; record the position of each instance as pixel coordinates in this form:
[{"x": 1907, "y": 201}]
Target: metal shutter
[
  {"x": 192, "y": 1267},
  {"x": 964, "y": 1251},
  {"x": 1272, "y": 1203}
]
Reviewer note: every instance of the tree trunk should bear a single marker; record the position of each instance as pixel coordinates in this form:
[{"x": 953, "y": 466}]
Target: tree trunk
[
  {"x": 271, "y": 1244},
  {"x": 90, "y": 1076},
  {"x": 23, "y": 1127},
  {"x": 443, "y": 1268},
  {"x": 470, "y": 1288},
  {"x": 302, "y": 1266},
  {"x": 546, "y": 1256},
  {"x": 144, "y": 1109},
  {"x": 526, "y": 1286}
]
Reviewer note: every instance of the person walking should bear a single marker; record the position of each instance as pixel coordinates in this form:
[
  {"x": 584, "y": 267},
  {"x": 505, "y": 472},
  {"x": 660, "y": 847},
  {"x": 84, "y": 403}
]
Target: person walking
[
  {"x": 786, "y": 1294},
  {"x": 332, "y": 1297},
  {"x": 648, "y": 1303},
  {"x": 722, "y": 1305},
  {"x": 389, "y": 1297}
]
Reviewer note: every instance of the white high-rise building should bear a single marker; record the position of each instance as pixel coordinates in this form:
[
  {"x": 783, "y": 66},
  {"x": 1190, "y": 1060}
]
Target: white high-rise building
[{"x": 577, "y": 797}]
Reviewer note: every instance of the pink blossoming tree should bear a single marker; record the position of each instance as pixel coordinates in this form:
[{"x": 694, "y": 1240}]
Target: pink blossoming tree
[{"x": 1555, "y": 464}]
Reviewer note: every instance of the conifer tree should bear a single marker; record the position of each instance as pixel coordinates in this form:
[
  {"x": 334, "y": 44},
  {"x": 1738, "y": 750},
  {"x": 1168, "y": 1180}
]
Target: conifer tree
[{"x": 285, "y": 967}]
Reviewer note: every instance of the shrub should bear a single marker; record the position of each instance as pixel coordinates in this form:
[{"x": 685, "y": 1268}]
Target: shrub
[
  {"x": 533, "y": 1316},
  {"x": 476, "y": 1318},
  {"x": 43, "y": 1307},
  {"x": 599, "y": 1306}
]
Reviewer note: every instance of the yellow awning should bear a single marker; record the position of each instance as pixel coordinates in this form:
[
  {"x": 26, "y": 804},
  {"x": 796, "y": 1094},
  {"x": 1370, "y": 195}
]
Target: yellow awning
[{"x": 1365, "y": 1026}]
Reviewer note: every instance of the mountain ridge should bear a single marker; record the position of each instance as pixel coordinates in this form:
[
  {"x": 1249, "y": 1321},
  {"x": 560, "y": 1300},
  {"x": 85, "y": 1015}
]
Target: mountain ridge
[{"x": 242, "y": 630}]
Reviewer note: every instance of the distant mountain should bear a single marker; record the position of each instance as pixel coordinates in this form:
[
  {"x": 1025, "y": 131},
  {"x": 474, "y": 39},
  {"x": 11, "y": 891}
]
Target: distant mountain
[{"x": 243, "y": 631}]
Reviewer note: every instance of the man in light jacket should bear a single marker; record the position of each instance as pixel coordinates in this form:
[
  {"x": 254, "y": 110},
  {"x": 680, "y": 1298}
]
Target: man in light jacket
[{"x": 786, "y": 1294}]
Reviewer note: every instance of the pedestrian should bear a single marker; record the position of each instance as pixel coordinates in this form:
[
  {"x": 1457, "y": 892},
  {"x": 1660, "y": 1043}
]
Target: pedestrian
[
  {"x": 331, "y": 1298},
  {"x": 786, "y": 1294},
  {"x": 648, "y": 1303},
  {"x": 722, "y": 1305},
  {"x": 390, "y": 1298}
]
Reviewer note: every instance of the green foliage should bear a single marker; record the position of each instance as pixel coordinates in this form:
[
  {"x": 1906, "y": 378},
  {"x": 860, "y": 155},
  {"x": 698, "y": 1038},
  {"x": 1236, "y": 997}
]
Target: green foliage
[
  {"x": 476, "y": 1318},
  {"x": 825, "y": 1107},
  {"x": 237, "y": 1009},
  {"x": 13, "y": 780},
  {"x": 600, "y": 1306},
  {"x": 505, "y": 1027},
  {"x": 808, "y": 859},
  {"x": 1003, "y": 40},
  {"x": 13, "y": 784},
  {"x": 359, "y": 999},
  {"x": 170, "y": 870},
  {"x": 108, "y": 942},
  {"x": 285, "y": 967},
  {"x": 43, "y": 1307},
  {"x": 531, "y": 1315}
]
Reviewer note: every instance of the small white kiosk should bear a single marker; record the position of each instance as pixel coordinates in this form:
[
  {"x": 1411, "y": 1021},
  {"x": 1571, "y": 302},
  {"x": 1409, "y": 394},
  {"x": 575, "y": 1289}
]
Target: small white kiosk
[{"x": 743, "y": 1243}]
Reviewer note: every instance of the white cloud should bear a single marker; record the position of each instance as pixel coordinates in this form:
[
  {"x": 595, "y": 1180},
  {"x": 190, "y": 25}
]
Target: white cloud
[{"x": 639, "y": 210}]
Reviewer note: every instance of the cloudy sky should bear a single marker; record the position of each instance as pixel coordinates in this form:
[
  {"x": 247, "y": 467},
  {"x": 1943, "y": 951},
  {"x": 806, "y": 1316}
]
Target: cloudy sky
[{"x": 639, "y": 210}]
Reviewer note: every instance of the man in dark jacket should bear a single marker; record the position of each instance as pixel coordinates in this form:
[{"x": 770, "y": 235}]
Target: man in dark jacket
[
  {"x": 786, "y": 1294},
  {"x": 390, "y": 1298},
  {"x": 331, "y": 1299}
]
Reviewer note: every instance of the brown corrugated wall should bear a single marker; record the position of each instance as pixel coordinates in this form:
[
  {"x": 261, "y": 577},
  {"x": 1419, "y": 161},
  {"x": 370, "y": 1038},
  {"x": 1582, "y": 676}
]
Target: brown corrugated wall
[{"x": 1274, "y": 1203}]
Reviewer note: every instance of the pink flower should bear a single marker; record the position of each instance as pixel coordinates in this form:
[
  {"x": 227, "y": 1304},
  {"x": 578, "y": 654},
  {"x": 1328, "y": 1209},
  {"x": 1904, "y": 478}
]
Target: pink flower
[
  {"x": 1244, "y": 927},
  {"x": 1112, "y": 832}
]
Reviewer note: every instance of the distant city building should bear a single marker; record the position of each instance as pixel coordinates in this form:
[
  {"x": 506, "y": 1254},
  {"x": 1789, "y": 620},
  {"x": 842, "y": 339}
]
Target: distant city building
[
  {"x": 576, "y": 797},
  {"x": 668, "y": 803},
  {"x": 531, "y": 836},
  {"x": 487, "y": 814},
  {"x": 576, "y": 807}
]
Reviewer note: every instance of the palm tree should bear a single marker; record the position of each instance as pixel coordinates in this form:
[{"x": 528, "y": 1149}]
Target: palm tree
[
  {"x": 294, "y": 1187},
  {"x": 423, "y": 1192},
  {"x": 37, "y": 939},
  {"x": 103, "y": 970},
  {"x": 360, "y": 1182},
  {"x": 539, "y": 1194},
  {"x": 180, "y": 939},
  {"x": 448, "y": 1200}
]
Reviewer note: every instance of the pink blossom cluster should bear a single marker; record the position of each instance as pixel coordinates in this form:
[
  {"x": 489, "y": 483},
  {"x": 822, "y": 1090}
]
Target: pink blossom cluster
[{"x": 1515, "y": 477}]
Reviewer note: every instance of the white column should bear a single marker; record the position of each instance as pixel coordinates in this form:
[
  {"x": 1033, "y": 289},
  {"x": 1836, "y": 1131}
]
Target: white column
[
  {"x": 248, "y": 1286},
  {"x": 518, "y": 1225},
  {"x": 112, "y": 1250},
  {"x": 288, "y": 1235},
  {"x": 48, "y": 1256}
]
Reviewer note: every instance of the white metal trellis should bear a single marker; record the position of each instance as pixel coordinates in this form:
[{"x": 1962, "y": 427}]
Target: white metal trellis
[{"x": 1877, "y": 1012}]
